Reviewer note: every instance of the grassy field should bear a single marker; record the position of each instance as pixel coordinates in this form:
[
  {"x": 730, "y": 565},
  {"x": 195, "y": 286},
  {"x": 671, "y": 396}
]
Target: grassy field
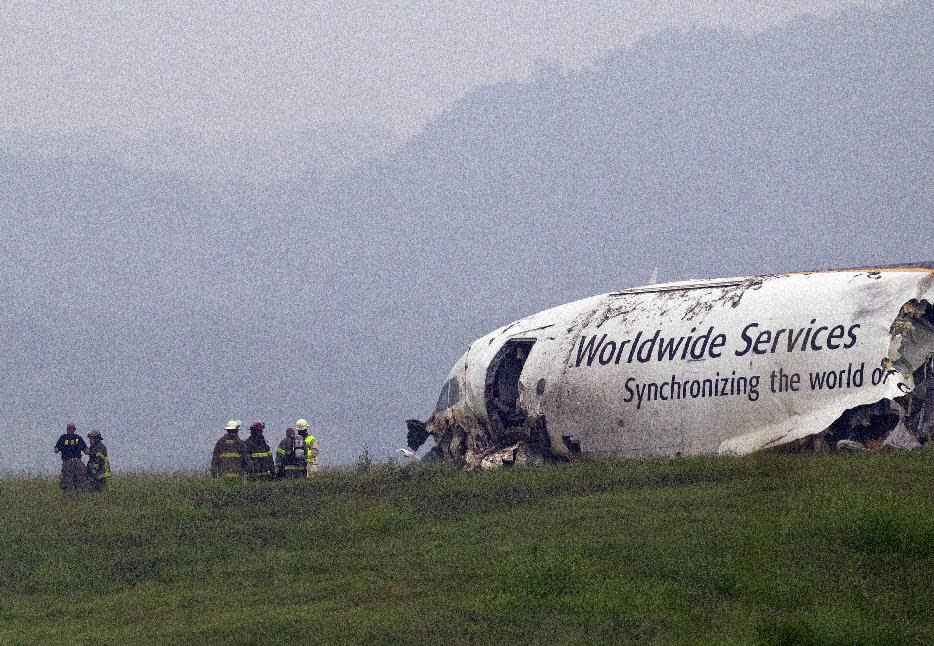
[{"x": 769, "y": 549}]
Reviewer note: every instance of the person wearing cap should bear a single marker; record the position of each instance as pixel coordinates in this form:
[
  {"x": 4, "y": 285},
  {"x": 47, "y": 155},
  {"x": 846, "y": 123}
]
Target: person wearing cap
[
  {"x": 290, "y": 456},
  {"x": 71, "y": 446},
  {"x": 263, "y": 466},
  {"x": 231, "y": 459},
  {"x": 311, "y": 447},
  {"x": 98, "y": 468}
]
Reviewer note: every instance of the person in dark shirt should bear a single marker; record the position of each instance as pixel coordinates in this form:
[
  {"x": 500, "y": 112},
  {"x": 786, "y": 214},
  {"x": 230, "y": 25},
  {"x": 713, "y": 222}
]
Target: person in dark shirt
[{"x": 71, "y": 446}]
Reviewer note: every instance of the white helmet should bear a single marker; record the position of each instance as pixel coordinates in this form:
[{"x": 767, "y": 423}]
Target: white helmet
[
  {"x": 301, "y": 425},
  {"x": 232, "y": 425}
]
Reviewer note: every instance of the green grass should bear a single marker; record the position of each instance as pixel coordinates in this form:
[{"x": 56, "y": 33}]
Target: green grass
[{"x": 769, "y": 549}]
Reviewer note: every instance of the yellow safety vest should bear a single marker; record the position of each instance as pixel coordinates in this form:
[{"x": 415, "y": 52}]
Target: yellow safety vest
[
  {"x": 311, "y": 449},
  {"x": 105, "y": 473}
]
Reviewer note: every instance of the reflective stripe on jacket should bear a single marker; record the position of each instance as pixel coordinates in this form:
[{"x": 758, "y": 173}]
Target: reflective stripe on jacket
[
  {"x": 230, "y": 457},
  {"x": 261, "y": 455},
  {"x": 287, "y": 457},
  {"x": 98, "y": 463}
]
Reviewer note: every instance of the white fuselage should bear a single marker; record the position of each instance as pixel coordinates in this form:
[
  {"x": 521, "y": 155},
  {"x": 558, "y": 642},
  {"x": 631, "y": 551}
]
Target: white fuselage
[{"x": 730, "y": 366}]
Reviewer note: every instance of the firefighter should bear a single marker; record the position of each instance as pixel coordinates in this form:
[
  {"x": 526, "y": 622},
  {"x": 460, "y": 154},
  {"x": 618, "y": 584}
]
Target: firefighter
[
  {"x": 71, "y": 446},
  {"x": 311, "y": 447},
  {"x": 290, "y": 456},
  {"x": 231, "y": 459},
  {"x": 98, "y": 468},
  {"x": 260, "y": 453}
]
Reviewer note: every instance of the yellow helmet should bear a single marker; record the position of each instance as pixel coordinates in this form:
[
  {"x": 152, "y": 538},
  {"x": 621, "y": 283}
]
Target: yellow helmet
[
  {"x": 301, "y": 425},
  {"x": 232, "y": 425}
]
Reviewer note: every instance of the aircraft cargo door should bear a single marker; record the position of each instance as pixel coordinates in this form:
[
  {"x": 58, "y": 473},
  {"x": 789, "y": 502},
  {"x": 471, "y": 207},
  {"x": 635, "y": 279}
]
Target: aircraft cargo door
[{"x": 502, "y": 386}]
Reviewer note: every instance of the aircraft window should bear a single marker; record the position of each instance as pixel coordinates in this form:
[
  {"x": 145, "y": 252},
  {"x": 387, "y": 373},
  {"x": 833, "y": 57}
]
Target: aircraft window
[
  {"x": 443, "y": 397},
  {"x": 454, "y": 392},
  {"x": 450, "y": 394}
]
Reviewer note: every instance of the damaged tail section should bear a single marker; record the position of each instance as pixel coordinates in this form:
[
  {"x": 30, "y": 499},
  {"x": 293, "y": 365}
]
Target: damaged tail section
[
  {"x": 903, "y": 422},
  {"x": 912, "y": 349}
]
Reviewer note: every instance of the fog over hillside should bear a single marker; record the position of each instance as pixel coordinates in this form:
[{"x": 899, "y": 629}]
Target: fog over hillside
[
  {"x": 156, "y": 304},
  {"x": 256, "y": 68},
  {"x": 299, "y": 156}
]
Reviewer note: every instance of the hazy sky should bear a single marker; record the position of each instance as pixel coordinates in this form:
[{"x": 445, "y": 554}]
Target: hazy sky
[{"x": 228, "y": 67}]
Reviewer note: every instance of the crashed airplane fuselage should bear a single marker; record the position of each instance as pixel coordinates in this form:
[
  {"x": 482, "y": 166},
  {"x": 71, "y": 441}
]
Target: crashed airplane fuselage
[{"x": 713, "y": 366}]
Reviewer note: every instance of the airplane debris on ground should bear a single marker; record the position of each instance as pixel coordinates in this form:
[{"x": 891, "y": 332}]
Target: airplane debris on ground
[{"x": 832, "y": 360}]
